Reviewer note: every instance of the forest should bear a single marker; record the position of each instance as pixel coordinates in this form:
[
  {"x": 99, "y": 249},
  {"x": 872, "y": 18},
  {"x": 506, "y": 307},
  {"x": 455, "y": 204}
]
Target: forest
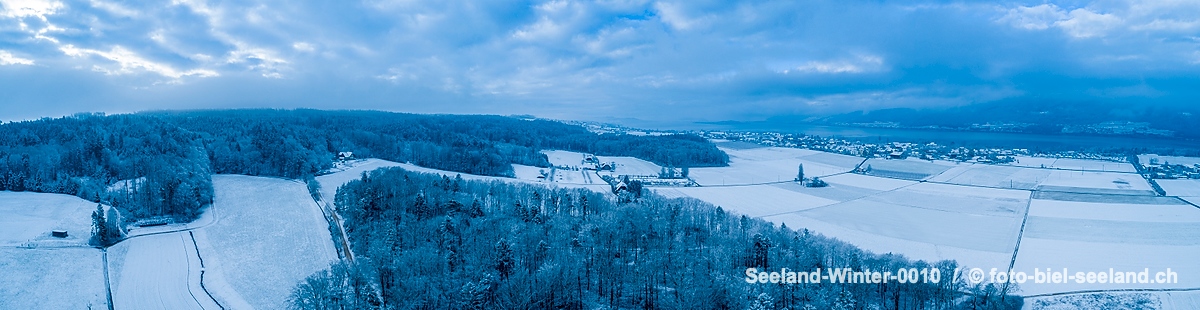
[
  {"x": 158, "y": 164},
  {"x": 425, "y": 241}
]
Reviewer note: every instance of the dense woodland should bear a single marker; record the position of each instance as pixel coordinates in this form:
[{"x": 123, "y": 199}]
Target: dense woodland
[
  {"x": 160, "y": 163},
  {"x": 426, "y": 241}
]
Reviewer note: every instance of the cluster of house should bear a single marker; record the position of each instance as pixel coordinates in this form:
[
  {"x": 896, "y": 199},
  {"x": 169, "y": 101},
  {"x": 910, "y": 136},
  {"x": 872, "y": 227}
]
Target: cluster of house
[
  {"x": 590, "y": 161},
  {"x": 1166, "y": 170}
]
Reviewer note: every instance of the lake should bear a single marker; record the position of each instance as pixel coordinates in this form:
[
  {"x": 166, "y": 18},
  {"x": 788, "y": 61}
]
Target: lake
[{"x": 1048, "y": 142}]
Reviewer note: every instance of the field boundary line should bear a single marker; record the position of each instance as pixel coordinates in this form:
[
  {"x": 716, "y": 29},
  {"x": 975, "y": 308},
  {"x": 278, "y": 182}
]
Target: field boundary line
[
  {"x": 1020, "y": 234},
  {"x": 187, "y": 257},
  {"x": 107, "y": 285},
  {"x": 202, "y": 270}
]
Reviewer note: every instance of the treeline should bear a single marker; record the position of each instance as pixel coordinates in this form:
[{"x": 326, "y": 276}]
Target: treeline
[
  {"x": 161, "y": 162},
  {"x": 163, "y": 169},
  {"x": 293, "y": 143},
  {"x": 426, "y": 241}
]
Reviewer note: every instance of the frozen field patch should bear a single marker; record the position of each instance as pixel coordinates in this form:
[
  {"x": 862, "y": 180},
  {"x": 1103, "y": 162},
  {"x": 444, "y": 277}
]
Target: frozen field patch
[
  {"x": 1184, "y": 188},
  {"x": 158, "y": 272},
  {"x": 958, "y": 199},
  {"x": 1096, "y": 182},
  {"x": 1114, "y": 211},
  {"x": 564, "y": 158},
  {"x": 270, "y": 236},
  {"x": 838, "y": 192},
  {"x": 30, "y": 217},
  {"x": 868, "y": 182},
  {"x": 1073, "y": 164},
  {"x": 61, "y": 278},
  {"x": 631, "y": 165},
  {"x": 925, "y": 224},
  {"x": 1098, "y": 165},
  {"x": 887, "y": 244},
  {"x": 1111, "y": 232},
  {"x": 529, "y": 173},
  {"x": 912, "y": 169},
  {"x": 1085, "y": 236},
  {"x": 1085, "y": 256},
  {"x": 755, "y": 200},
  {"x": 772, "y": 164},
  {"x": 993, "y": 176}
]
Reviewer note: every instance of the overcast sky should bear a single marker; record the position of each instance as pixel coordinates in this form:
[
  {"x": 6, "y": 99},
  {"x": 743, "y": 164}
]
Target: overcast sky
[{"x": 653, "y": 60}]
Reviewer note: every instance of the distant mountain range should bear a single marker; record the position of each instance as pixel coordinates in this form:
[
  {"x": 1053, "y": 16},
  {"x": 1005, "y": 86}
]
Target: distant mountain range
[{"x": 1029, "y": 117}]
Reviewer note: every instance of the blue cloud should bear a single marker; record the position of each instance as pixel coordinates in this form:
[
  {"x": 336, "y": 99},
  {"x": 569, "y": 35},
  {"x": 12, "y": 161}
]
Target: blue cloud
[{"x": 677, "y": 60}]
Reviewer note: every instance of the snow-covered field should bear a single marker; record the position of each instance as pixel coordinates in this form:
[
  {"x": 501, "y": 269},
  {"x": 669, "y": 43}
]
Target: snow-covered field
[
  {"x": 975, "y": 219},
  {"x": 38, "y": 271},
  {"x": 1073, "y": 164},
  {"x": 27, "y": 217},
  {"x": 868, "y": 182},
  {"x": 1083, "y": 236},
  {"x": 631, "y": 165},
  {"x": 752, "y": 200},
  {"x": 270, "y": 235},
  {"x": 1177, "y": 212},
  {"x": 772, "y": 164},
  {"x": 564, "y": 158},
  {"x": 51, "y": 278},
  {"x": 993, "y": 176},
  {"x": 912, "y": 168},
  {"x": 969, "y": 218},
  {"x": 1096, "y": 182},
  {"x": 1183, "y": 188},
  {"x": 157, "y": 272},
  {"x": 529, "y": 173}
]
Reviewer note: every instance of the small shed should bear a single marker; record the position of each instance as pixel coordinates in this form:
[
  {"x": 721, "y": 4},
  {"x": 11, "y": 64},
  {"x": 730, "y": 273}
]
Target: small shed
[{"x": 60, "y": 233}]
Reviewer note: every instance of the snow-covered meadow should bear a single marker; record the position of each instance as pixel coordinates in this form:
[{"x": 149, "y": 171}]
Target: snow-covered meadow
[
  {"x": 38, "y": 271},
  {"x": 28, "y": 218},
  {"x": 269, "y": 236},
  {"x": 1073, "y": 164},
  {"x": 51, "y": 278},
  {"x": 1181, "y": 188},
  {"x": 772, "y": 164},
  {"x": 1082, "y": 214}
]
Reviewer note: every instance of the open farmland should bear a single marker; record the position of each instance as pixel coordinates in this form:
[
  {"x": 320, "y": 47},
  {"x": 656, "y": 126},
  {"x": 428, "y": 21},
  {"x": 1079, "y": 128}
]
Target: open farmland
[
  {"x": 1182, "y": 188},
  {"x": 631, "y": 166},
  {"x": 772, "y": 164},
  {"x": 1073, "y": 164},
  {"x": 973, "y": 213},
  {"x": 1089, "y": 236},
  {"x": 911, "y": 169},
  {"x": 998, "y": 176},
  {"x": 43, "y": 272},
  {"x": 30, "y": 217},
  {"x": 158, "y": 272},
  {"x": 270, "y": 235},
  {"x": 1096, "y": 183},
  {"x": 753, "y": 200},
  {"x": 51, "y": 278},
  {"x": 564, "y": 158}
]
